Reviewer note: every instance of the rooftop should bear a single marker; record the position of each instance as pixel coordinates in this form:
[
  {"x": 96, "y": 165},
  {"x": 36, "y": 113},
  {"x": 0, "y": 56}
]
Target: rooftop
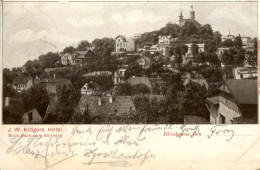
[
  {"x": 213, "y": 100},
  {"x": 120, "y": 105},
  {"x": 140, "y": 80},
  {"x": 243, "y": 90}
]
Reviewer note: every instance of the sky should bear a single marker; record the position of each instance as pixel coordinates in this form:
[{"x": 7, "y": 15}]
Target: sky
[{"x": 34, "y": 28}]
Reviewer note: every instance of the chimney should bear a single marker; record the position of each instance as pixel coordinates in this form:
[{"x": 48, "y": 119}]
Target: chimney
[
  {"x": 7, "y": 101},
  {"x": 99, "y": 101}
]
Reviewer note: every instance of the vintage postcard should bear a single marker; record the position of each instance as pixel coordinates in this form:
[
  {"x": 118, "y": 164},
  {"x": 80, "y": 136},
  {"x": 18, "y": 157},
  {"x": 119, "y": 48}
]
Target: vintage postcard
[{"x": 129, "y": 85}]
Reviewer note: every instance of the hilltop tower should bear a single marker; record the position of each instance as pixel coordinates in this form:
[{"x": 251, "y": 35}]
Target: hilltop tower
[
  {"x": 192, "y": 13},
  {"x": 192, "y": 19},
  {"x": 180, "y": 18}
]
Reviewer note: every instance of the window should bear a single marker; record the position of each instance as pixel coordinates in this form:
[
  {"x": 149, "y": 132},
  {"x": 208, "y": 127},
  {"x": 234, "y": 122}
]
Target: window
[{"x": 30, "y": 116}]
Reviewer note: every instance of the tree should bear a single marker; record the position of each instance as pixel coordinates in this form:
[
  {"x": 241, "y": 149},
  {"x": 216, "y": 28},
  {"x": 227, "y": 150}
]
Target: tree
[
  {"x": 202, "y": 57},
  {"x": 238, "y": 42},
  {"x": 239, "y": 57},
  {"x": 194, "y": 50},
  {"x": 83, "y": 45},
  {"x": 34, "y": 68},
  {"x": 150, "y": 111},
  {"x": 48, "y": 60},
  {"x": 69, "y": 49},
  {"x": 36, "y": 97},
  {"x": 205, "y": 32},
  {"x": 179, "y": 51},
  {"x": 194, "y": 101},
  {"x": 64, "y": 110},
  {"x": 134, "y": 70},
  {"x": 228, "y": 57},
  {"x": 140, "y": 89},
  {"x": 212, "y": 58},
  {"x": 227, "y": 43}
]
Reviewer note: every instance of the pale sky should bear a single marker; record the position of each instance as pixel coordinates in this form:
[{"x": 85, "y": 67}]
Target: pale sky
[{"x": 34, "y": 28}]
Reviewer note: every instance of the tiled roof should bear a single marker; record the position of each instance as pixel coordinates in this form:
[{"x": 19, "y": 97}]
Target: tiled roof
[
  {"x": 243, "y": 90},
  {"x": 195, "y": 120},
  {"x": 119, "y": 106},
  {"x": 52, "y": 86},
  {"x": 140, "y": 80},
  {"x": 82, "y": 54},
  {"x": 123, "y": 37},
  {"x": 51, "y": 107},
  {"x": 150, "y": 96}
]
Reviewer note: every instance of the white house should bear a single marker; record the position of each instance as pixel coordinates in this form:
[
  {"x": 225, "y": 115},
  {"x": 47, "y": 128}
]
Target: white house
[
  {"x": 21, "y": 84},
  {"x": 164, "y": 39},
  {"x": 248, "y": 43},
  {"x": 87, "y": 90},
  {"x": 119, "y": 75},
  {"x": 68, "y": 59},
  {"x": 236, "y": 103},
  {"x": 125, "y": 44},
  {"x": 154, "y": 49}
]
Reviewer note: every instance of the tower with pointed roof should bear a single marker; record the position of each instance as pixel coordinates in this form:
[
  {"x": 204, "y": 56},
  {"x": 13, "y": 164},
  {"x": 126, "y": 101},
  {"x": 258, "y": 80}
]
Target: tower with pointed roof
[
  {"x": 180, "y": 18},
  {"x": 182, "y": 21}
]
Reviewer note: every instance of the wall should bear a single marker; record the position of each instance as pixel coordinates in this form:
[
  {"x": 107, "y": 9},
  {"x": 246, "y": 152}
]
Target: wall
[{"x": 228, "y": 108}]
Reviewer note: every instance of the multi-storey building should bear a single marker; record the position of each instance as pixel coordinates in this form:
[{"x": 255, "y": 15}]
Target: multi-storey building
[{"x": 124, "y": 44}]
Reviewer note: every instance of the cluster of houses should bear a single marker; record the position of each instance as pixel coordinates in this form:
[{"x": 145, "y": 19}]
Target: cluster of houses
[
  {"x": 78, "y": 57},
  {"x": 15, "y": 106},
  {"x": 236, "y": 101},
  {"x": 247, "y": 42}
]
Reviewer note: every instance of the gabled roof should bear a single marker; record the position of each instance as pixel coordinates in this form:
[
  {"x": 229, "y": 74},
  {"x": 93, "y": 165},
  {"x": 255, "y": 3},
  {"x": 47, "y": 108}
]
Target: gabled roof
[
  {"x": 119, "y": 106},
  {"x": 243, "y": 90},
  {"x": 121, "y": 36},
  {"x": 140, "y": 80},
  {"x": 82, "y": 54}
]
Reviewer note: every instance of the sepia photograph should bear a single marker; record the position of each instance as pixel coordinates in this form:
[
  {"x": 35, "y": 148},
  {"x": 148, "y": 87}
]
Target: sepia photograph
[{"x": 129, "y": 62}]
